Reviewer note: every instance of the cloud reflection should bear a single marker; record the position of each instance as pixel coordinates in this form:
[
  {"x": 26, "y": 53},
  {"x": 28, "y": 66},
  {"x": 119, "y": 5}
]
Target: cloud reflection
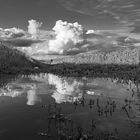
[
  {"x": 64, "y": 89},
  {"x": 67, "y": 90},
  {"x": 19, "y": 89},
  {"x": 32, "y": 96}
]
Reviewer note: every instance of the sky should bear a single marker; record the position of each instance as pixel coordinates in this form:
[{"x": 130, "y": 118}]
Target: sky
[
  {"x": 110, "y": 23},
  {"x": 18, "y": 12},
  {"x": 96, "y": 14}
]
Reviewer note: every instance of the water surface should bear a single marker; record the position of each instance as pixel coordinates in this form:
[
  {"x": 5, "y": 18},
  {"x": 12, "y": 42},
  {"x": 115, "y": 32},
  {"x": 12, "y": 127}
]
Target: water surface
[{"x": 47, "y": 106}]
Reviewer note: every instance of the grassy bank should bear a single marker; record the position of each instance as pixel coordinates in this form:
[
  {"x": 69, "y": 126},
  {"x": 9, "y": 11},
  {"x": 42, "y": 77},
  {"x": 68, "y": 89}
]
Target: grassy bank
[
  {"x": 120, "y": 56},
  {"x": 126, "y": 72},
  {"x": 15, "y": 62}
]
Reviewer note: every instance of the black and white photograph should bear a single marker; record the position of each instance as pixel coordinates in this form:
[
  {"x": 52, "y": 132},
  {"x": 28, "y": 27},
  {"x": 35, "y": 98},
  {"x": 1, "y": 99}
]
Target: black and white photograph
[{"x": 69, "y": 69}]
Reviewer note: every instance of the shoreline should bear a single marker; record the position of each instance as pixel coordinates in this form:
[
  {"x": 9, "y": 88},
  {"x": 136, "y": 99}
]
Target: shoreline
[{"x": 131, "y": 72}]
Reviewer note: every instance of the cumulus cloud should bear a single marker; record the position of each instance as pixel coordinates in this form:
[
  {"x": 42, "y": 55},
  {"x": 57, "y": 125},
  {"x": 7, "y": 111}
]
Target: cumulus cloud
[
  {"x": 67, "y": 36},
  {"x": 33, "y": 28},
  {"x": 11, "y": 33},
  {"x": 21, "y": 38},
  {"x": 71, "y": 38}
]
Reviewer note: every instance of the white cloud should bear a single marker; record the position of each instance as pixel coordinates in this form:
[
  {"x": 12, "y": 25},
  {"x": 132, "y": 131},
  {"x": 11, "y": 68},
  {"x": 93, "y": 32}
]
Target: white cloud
[
  {"x": 90, "y": 32},
  {"x": 67, "y": 36},
  {"x": 14, "y": 30},
  {"x": 33, "y": 28},
  {"x": 11, "y": 33}
]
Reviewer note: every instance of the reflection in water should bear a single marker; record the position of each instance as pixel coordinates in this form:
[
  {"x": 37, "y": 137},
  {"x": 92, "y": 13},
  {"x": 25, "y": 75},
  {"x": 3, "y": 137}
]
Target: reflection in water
[
  {"x": 32, "y": 96},
  {"x": 64, "y": 89},
  {"x": 100, "y": 108},
  {"x": 18, "y": 89},
  {"x": 67, "y": 90}
]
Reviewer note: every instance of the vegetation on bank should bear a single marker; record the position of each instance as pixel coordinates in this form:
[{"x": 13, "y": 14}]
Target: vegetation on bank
[
  {"x": 15, "y": 62},
  {"x": 131, "y": 72},
  {"x": 128, "y": 56}
]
